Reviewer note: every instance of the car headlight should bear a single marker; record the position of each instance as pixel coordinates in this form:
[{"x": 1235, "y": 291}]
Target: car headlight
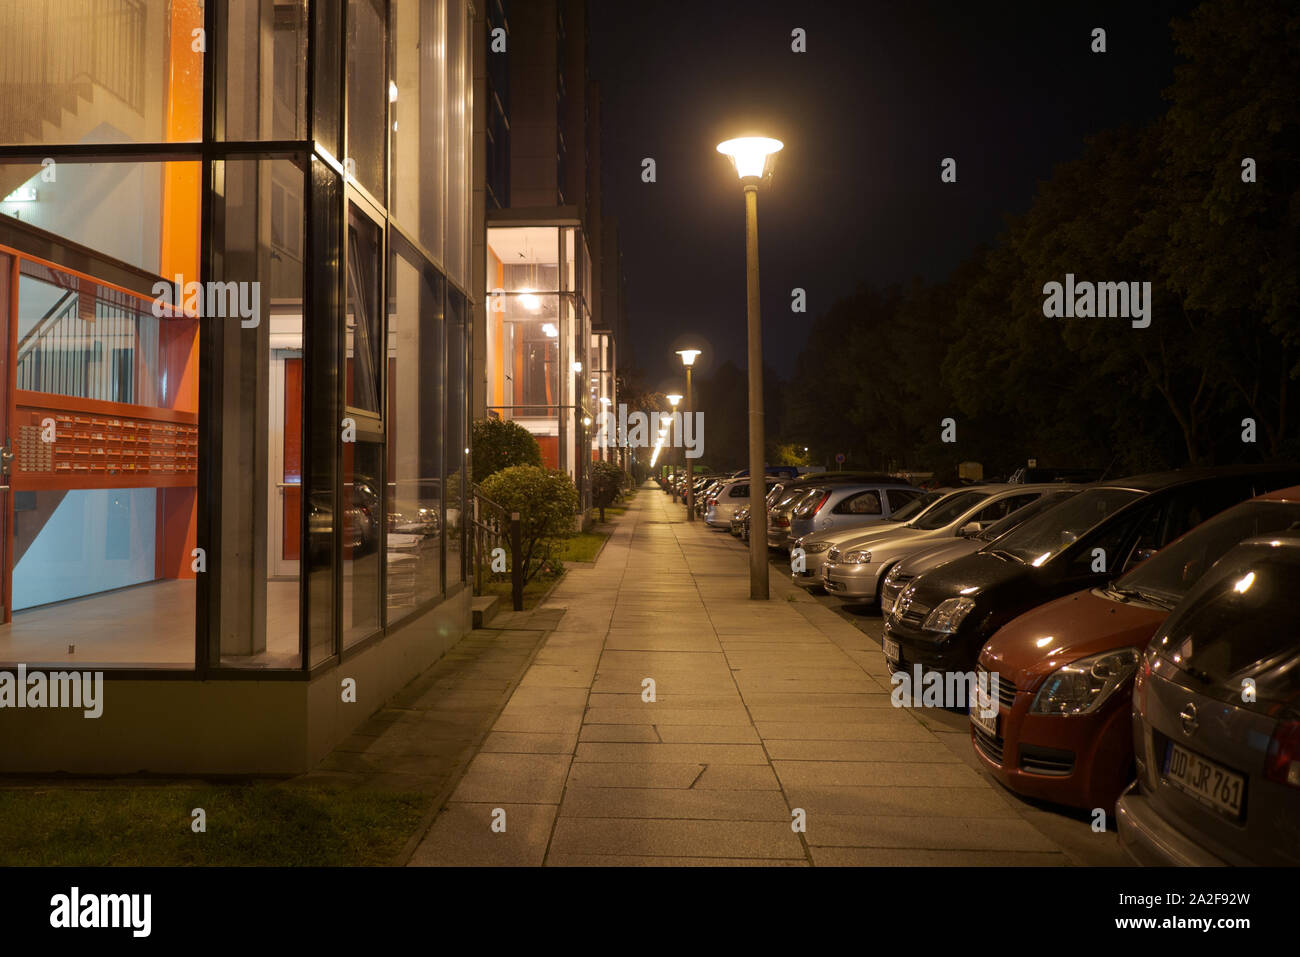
[
  {"x": 948, "y": 615},
  {"x": 857, "y": 557},
  {"x": 1082, "y": 686},
  {"x": 813, "y": 548}
]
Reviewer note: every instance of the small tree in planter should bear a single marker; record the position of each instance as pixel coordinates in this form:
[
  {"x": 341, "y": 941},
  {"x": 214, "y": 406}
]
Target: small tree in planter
[
  {"x": 607, "y": 482},
  {"x": 499, "y": 445},
  {"x": 546, "y": 501}
]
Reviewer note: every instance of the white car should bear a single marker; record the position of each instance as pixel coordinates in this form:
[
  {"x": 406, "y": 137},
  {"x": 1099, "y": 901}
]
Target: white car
[{"x": 731, "y": 495}]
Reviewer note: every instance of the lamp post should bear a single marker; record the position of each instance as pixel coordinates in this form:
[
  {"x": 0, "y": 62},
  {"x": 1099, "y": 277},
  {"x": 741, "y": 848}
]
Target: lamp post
[
  {"x": 672, "y": 424},
  {"x": 752, "y": 157},
  {"x": 688, "y": 360}
]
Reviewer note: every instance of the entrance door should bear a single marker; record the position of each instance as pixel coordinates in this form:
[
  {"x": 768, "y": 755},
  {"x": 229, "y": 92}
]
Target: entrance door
[{"x": 286, "y": 462}]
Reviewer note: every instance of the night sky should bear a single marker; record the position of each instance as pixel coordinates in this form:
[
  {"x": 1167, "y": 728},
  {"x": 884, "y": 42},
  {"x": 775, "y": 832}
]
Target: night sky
[{"x": 885, "y": 91}]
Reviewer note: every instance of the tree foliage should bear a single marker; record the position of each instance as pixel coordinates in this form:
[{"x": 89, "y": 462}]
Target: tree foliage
[
  {"x": 499, "y": 444},
  {"x": 546, "y": 501}
]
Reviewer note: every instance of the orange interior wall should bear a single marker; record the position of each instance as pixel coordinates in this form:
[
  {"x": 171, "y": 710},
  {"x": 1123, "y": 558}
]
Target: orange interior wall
[
  {"x": 498, "y": 371},
  {"x": 179, "y": 255},
  {"x": 550, "y": 446}
]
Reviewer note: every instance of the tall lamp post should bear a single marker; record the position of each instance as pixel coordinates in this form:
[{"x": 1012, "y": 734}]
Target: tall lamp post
[
  {"x": 688, "y": 360},
  {"x": 672, "y": 424},
  {"x": 752, "y": 157}
]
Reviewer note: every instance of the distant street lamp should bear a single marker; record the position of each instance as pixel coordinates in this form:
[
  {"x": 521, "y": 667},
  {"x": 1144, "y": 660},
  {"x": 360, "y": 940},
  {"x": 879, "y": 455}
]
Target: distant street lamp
[
  {"x": 753, "y": 158},
  {"x": 688, "y": 360},
  {"x": 672, "y": 421}
]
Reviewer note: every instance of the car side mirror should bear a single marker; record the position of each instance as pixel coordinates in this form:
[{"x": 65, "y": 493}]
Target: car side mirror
[
  {"x": 971, "y": 529},
  {"x": 1192, "y": 571}
]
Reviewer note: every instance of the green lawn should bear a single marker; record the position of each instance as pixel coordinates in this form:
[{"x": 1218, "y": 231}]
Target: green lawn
[
  {"x": 581, "y": 547},
  {"x": 259, "y": 823},
  {"x": 533, "y": 592}
]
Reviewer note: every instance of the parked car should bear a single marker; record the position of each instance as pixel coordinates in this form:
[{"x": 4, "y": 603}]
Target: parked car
[
  {"x": 1065, "y": 668},
  {"x": 844, "y": 505},
  {"x": 730, "y": 496},
  {"x": 855, "y": 569},
  {"x": 738, "y": 520},
  {"x": 1216, "y": 719},
  {"x": 939, "y": 553},
  {"x": 942, "y": 619},
  {"x": 816, "y": 547}
]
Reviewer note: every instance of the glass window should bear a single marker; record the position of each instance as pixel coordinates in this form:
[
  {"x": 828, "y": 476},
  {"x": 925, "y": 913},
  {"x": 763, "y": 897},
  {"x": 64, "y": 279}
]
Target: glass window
[
  {"x": 253, "y": 510},
  {"x": 418, "y": 188},
  {"x": 458, "y": 142},
  {"x": 327, "y": 84},
  {"x": 362, "y": 511},
  {"x": 113, "y": 208},
  {"x": 368, "y": 93},
  {"x": 415, "y": 432},
  {"x": 323, "y": 413},
  {"x": 1170, "y": 574},
  {"x": 261, "y": 70},
  {"x": 103, "y": 483},
  {"x": 113, "y": 71},
  {"x": 1040, "y": 538},
  {"x": 363, "y": 322},
  {"x": 950, "y": 510},
  {"x": 898, "y": 497},
  {"x": 456, "y": 485},
  {"x": 864, "y": 503}
]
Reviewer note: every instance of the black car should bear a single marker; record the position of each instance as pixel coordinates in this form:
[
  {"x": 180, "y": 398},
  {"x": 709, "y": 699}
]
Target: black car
[{"x": 943, "y": 618}]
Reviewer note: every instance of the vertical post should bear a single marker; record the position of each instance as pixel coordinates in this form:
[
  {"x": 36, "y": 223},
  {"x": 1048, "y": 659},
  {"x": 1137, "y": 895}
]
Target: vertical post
[
  {"x": 516, "y": 563},
  {"x": 758, "y": 583},
  {"x": 690, "y": 464}
]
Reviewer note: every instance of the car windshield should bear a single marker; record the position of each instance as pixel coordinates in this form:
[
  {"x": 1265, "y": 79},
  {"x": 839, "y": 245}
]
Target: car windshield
[
  {"x": 949, "y": 510},
  {"x": 1240, "y": 625},
  {"x": 1024, "y": 514},
  {"x": 1170, "y": 574},
  {"x": 1038, "y": 539},
  {"x": 916, "y": 506}
]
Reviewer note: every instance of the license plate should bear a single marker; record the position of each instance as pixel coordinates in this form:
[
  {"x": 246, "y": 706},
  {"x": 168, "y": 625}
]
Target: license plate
[
  {"x": 1204, "y": 780},
  {"x": 979, "y": 715},
  {"x": 891, "y": 649}
]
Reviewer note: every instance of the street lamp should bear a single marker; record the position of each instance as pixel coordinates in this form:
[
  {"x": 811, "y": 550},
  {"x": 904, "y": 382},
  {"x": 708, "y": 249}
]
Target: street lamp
[
  {"x": 753, "y": 158},
  {"x": 688, "y": 360},
  {"x": 672, "y": 421}
]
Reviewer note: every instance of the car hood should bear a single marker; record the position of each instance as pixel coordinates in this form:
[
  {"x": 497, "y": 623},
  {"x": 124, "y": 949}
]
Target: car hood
[
  {"x": 858, "y": 537},
  {"x": 1078, "y": 625},
  {"x": 933, "y": 555}
]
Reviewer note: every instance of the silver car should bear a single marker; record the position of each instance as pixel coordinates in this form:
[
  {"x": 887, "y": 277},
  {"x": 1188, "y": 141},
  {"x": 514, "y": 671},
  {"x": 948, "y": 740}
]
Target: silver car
[
  {"x": 849, "y": 505},
  {"x": 939, "y": 553},
  {"x": 855, "y": 568},
  {"x": 1216, "y": 719},
  {"x": 731, "y": 495},
  {"x": 813, "y": 549},
  {"x": 781, "y": 512}
]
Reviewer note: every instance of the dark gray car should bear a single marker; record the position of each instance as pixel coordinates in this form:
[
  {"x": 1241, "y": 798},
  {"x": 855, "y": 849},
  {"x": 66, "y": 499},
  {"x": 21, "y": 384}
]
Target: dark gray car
[{"x": 1216, "y": 715}]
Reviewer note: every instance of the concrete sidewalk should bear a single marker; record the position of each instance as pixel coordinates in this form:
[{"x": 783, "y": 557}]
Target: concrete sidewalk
[{"x": 760, "y": 710}]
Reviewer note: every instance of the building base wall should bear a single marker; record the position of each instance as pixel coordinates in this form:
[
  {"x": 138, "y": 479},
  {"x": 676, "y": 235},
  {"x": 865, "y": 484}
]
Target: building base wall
[{"x": 228, "y": 727}]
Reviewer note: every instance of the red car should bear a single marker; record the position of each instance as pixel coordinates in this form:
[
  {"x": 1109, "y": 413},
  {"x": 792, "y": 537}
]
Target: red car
[{"x": 1063, "y": 732}]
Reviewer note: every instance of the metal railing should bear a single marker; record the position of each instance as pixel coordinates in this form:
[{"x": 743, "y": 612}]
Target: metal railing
[
  {"x": 489, "y": 528},
  {"x": 53, "y": 51}
]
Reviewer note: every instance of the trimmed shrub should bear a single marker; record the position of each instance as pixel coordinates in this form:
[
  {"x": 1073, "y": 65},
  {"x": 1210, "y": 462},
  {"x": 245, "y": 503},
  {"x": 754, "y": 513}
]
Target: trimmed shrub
[
  {"x": 546, "y": 501},
  {"x": 498, "y": 445}
]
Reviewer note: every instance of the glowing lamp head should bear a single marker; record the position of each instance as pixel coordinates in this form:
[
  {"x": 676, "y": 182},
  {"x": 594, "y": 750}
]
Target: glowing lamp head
[
  {"x": 751, "y": 155},
  {"x": 673, "y": 400},
  {"x": 688, "y": 356}
]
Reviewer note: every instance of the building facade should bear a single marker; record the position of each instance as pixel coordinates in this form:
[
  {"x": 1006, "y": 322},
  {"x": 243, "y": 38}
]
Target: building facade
[
  {"x": 549, "y": 352},
  {"x": 236, "y": 251}
]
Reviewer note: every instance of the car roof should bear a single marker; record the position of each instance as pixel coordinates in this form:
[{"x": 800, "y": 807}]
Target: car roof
[
  {"x": 1155, "y": 481},
  {"x": 1291, "y": 494}
]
